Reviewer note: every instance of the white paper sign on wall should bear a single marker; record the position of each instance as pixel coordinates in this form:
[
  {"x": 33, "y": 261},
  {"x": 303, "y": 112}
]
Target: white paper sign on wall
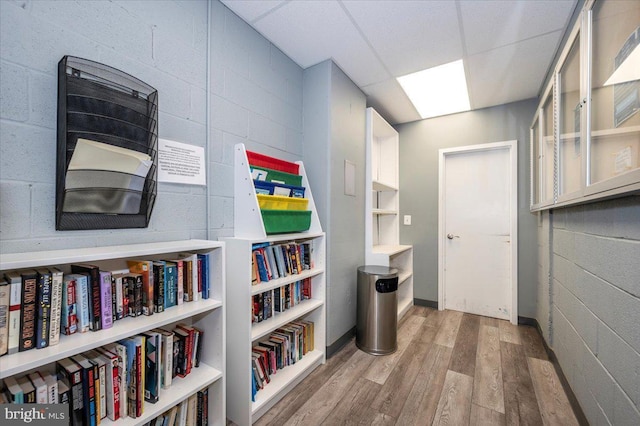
[{"x": 181, "y": 163}]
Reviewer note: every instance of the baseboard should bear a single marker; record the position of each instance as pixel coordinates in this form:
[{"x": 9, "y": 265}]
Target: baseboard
[
  {"x": 427, "y": 303},
  {"x": 338, "y": 344},
  {"x": 575, "y": 405},
  {"x": 529, "y": 321}
]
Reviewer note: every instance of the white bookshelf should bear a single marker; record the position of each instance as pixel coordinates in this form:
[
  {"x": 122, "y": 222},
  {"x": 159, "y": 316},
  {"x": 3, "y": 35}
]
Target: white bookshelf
[
  {"x": 206, "y": 314},
  {"x": 242, "y": 333},
  {"x": 382, "y": 221}
]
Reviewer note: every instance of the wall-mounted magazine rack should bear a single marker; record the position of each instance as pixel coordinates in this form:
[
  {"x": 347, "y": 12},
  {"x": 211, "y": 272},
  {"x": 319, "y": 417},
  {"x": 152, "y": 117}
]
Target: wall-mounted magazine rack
[{"x": 107, "y": 147}]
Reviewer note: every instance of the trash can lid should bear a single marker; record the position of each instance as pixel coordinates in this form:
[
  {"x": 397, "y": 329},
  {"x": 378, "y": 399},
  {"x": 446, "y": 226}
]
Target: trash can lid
[{"x": 380, "y": 271}]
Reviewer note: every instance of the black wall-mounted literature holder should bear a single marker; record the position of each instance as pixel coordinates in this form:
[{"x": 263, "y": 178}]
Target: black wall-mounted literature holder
[{"x": 107, "y": 147}]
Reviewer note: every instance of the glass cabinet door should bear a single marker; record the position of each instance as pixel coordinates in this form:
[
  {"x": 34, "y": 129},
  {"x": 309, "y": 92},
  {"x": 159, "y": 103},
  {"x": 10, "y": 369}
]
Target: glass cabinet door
[
  {"x": 569, "y": 111},
  {"x": 614, "y": 148},
  {"x": 547, "y": 150}
]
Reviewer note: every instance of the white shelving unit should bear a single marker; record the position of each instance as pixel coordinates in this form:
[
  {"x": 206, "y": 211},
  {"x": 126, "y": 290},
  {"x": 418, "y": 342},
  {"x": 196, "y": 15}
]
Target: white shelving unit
[
  {"x": 243, "y": 334},
  {"x": 206, "y": 314},
  {"x": 382, "y": 220}
]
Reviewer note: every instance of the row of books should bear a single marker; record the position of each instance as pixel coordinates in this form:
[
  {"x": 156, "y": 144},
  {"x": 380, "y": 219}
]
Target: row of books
[
  {"x": 36, "y": 306},
  {"x": 266, "y": 304},
  {"x": 193, "y": 411},
  {"x": 272, "y": 261},
  {"x": 115, "y": 380},
  {"x": 285, "y": 346}
]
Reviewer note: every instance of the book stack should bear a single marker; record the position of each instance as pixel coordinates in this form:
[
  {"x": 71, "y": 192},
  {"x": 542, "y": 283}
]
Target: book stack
[
  {"x": 272, "y": 261},
  {"x": 285, "y": 346},
  {"x": 37, "y": 306},
  {"x": 278, "y": 300},
  {"x": 193, "y": 411}
]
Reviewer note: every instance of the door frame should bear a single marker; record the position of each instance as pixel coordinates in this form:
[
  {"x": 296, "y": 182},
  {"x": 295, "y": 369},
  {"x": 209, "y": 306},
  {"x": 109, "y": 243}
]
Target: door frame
[{"x": 512, "y": 146}]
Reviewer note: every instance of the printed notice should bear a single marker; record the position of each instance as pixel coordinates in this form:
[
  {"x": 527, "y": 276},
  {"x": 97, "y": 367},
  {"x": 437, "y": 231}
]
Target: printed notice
[
  {"x": 623, "y": 160},
  {"x": 180, "y": 163}
]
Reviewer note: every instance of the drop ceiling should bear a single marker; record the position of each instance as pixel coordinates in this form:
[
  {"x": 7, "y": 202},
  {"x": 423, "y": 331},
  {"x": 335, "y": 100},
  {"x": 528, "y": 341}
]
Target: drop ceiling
[{"x": 507, "y": 45}]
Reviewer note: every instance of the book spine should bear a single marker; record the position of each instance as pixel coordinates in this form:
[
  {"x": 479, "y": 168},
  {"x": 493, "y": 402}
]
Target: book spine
[
  {"x": 118, "y": 296},
  {"x": 170, "y": 286},
  {"x": 15, "y": 312},
  {"x": 52, "y": 388},
  {"x": 56, "y": 306},
  {"x": 180, "y": 282},
  {"x": 106, "y": 316},
  {"x": 140, "y": 379},
  {"x": 197, "y": 293},
  {"x": 112, "y": 383},
  {"x": 121, "y": 352},
  {"x": 43, "y": 312},
  {"x": 138, "y": 292},
  {"x": 69, "y": 309},
  {"x": 147, "y": 289},
  {"x": 95, "y": 322},
  {"x": 158, "y": 287},
  {"x": 74, "y": 378},
  {"x": 5, "y": 290},
  {"x": 28, "y": 324},
  {"x": 152, "y": 356},
  {"x": 167, "y": 365},
  {"x": 82, "y": 302}
]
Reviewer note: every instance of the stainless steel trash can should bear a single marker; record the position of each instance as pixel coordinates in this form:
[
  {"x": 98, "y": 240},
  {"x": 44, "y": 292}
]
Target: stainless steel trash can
[{"x": 377, "y": 310}]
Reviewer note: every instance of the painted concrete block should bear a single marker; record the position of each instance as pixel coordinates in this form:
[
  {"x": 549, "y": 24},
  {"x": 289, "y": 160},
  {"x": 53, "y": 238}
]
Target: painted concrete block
[
  {"x": 294, "y": 140},
  {"x": 599, "y": 382},
  {"x": 14, "y": 104},
  {"x": 177, "y": 212},
  {"x": 43, "y": 205},
  {"x": 625, "y": 411},
  {"x": 247, "y": 94},
  {"x": 222, "y": 183},
  {"x": 27, "y": 153},
  {"x": 15, "y": 214},
  {"x": 229, "y": 117},
  {"x": 587, "y": 326},
  {"x": 285, "y": 114},
  {"x": 43, "y": 99},
  {"x": 598, "y": 219},
  {"x": 235, "y": 58},
  {"x": 283, "y": 65},
  {"x": 267, "y": 132},
  {"x": 180, "y": 60},
  {"x": 182, "y": 130},
  {"x": 564, "y": 243},
  {"x": 620, "y": 360},
  {"x": 574, "y": 219},
  {"x": 626, "y": 214},
  {"x": 197, "y": 105},
  {"x": 227, "y": 149},
  {"x": 625, "y": 317},
  {"x": 613, "y": 260}
]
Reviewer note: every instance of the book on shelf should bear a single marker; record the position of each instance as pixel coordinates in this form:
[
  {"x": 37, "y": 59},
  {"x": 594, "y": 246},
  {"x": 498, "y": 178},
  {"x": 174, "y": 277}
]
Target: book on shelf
[
  {"x": 181, "y": 416},
  {"x": 190, "y": 265},
  {"x": 166, "y": 354},
  {"x": 51, "y": 380},
  {"x": 179, "y": 281},
  {"x": 118, "y": 288},
  {"x": 41, "y": 391},
  {"x": 170, "y": 284},
  {"x": 134, "y": 285},
  {"x": 159, "y": 286},
  {"x": 112, "y": 382},
  {"x": 15, "y": 311},
  {"x": 43, "y": 310},
  {"x": 90, "y": 389},
  {"x": 121, "y": 352},
  {"x": 101, "y": 387},
  {"x": 5, "y": 295},
  {"x": 94, "y": 285},
  {"x": 29, "y": 310},
  {"x": 56, "y": 305},
  {"x": 181, "y": 352},
  {"x": 145, "y": 268},
  {"x": 192, "y": 410},
  {"x": 205, "y": 276},
  {"x": 71, "y": 373},
  {"x": 106, "y": 302},
  {"x": 203, "y": 407},
  {"x": 82, "y": 300},
  {"x": 153, "y": 368},
  {"x": 135, "y": 374},
  {"x": 69, "y": 309},
  {"x": 13, "y": 390},
  {"x": 28, "y": 390}
]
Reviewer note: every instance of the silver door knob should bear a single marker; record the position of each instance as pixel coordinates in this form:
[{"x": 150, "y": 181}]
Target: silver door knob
[{"x": 451, "y": 236}]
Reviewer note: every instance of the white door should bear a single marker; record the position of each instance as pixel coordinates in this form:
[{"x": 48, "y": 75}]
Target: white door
[{"x": 478, "y": 230}]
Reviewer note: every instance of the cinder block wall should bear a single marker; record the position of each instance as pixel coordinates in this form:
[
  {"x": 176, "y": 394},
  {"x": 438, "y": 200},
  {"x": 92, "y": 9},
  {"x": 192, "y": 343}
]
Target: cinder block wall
[
  {"x": 256, "y": 98},
  {"x": 595, "y": 306}
]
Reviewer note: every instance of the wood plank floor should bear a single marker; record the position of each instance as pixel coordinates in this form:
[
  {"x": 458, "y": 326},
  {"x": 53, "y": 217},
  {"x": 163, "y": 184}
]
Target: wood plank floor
[{"x": 450, "y": 368}]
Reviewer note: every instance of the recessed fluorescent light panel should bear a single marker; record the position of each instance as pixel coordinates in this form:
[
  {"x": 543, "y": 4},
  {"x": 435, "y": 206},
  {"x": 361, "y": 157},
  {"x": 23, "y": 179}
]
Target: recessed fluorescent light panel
[{"x": 437, "y": 91}]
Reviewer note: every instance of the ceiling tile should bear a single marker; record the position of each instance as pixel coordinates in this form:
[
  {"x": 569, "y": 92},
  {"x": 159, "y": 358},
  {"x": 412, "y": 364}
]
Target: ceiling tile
[
  {"x": 388, "y": 98},
  {"x": 493, "y": 23},
  {"x": 310, "y": 32},
  {"x": 511, "y": 73},
  {"x": 251, "y": 9},
  {"x": 409, "y": 36}
]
